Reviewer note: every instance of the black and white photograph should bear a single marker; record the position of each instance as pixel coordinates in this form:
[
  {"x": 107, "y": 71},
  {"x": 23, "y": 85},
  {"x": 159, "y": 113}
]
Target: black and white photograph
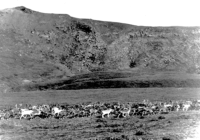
[{"x": 100, "y": 70}]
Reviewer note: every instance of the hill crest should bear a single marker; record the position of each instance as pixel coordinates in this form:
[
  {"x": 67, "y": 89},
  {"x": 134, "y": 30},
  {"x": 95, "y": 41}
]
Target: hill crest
[{"x": 43, "y": 47}]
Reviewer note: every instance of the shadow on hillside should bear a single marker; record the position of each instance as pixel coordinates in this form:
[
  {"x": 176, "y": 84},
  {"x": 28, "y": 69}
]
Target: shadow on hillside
[{"x": 117, "y": 80}]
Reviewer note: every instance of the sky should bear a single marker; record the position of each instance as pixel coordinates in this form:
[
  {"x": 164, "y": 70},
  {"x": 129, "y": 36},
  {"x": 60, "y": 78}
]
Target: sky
[{"x": 136, "y": 12}]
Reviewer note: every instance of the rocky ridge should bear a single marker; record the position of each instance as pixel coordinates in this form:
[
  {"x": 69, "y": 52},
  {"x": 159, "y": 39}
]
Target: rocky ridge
[{"x": 56, "y": 51}]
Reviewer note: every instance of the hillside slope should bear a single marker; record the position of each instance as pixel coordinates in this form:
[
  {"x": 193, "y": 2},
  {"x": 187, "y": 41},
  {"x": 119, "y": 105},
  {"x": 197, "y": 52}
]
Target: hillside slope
[{"x": 38, "y": 49}]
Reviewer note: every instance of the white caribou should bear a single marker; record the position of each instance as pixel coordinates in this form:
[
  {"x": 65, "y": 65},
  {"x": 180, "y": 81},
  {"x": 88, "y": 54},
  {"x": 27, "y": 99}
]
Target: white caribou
[
  {"x": 56, "y": 111},
  {"x": 25, "y": 112},
  {"x": 106, "y": 112},
  {"x": 126, "y": 112}
]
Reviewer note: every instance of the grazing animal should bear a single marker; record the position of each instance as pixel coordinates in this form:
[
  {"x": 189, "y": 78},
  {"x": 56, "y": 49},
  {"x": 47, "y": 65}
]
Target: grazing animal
[
  {"x": 93, "y": 111},
  {"x": 186, "y": 107},
  {"x": 37, "y": 111},
  {"x": 148, "y": 111},
  {"x": 168, "y": 106},
  {"x": 177, "y": 107},
  {"x": 56, "y": 111},
  {"x": 46, "y": 106},
  {"x": 15, "y": 112},
  {"x": 188, "y": 102},
  {"x": 126, "y": 112},
  {"x": 106, "y": 112},
  {"x": 2, "y": 115},
  {"x": 162, "y": 110},
  {"x": 34, "y": 107},
  {"x": 87, "y": 106},
  {"x": 155, "y": 108},
  {"x": 145, "y": 101},
  {"x": 197, "y": 106},
  {"x": 21, "y": 105},
  {"x": 26, "y": 112}
]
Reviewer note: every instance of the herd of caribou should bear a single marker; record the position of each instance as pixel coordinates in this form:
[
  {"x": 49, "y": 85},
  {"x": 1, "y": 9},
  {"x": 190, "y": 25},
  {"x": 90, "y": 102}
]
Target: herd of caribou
[{"x": 98, "y": 109}]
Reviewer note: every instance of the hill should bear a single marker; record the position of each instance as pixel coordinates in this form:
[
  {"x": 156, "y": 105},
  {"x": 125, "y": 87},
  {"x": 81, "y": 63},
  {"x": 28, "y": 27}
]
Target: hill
[{"x": 40, "y": 51}]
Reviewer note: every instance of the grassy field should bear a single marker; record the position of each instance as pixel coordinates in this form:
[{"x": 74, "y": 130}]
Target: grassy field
[
  {"x": 104, "y": 95},
  {"x": 172, "y": 126}
]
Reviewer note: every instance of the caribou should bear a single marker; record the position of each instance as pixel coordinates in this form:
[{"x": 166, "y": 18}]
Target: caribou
[
  {"x": 186, "y": 107},
  {"x": 56, "y": 111},
  {"x": 26, "y": 112},
  {"x": 92, "y": 109},
  {"x": 126, "y": 112},
  {"x": 106, "y": 112}
]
